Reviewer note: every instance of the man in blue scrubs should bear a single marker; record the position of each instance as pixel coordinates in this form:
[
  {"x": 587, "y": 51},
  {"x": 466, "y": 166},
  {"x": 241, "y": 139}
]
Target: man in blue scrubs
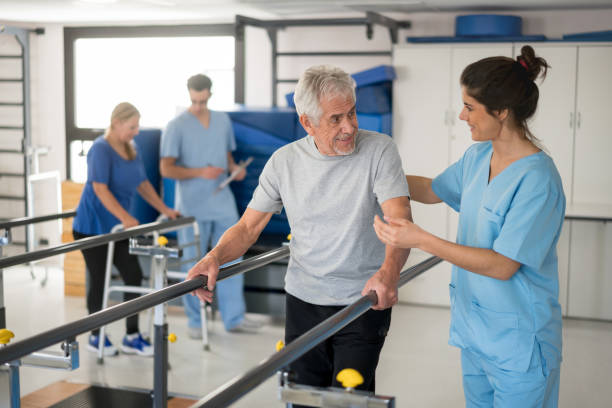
[{"x": 196, "y": 150}]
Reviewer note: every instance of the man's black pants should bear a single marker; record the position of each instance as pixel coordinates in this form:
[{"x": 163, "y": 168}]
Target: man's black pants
[{"x": 356, "y": 346}]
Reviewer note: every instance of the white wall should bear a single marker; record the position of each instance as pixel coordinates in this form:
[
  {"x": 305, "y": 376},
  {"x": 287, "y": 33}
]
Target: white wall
[{"x": 48, "y": 74}]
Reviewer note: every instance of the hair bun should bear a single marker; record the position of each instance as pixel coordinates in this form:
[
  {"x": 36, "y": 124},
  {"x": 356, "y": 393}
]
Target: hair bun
[{"x": 533, "y": 65}]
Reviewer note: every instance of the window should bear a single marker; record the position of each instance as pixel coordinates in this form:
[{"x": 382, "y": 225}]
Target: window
[{"x": 146, "y": 66}]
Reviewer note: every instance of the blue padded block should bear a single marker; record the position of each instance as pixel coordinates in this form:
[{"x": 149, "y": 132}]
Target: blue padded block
[
  {"x": 249, "y": 135},
  {"x": 493, "y": 25},
  {"x": 280, "y": 122},
  {"x": 375, "y": 98},
  {"x": 378, "y": 123},
  {"x": 168, "y": 191},
  {"x": 522, "y": 38},
  {"x": 381, "y": 73},
  {"x": 147, "y": 141},
  {"x": 591, "y": 36}
]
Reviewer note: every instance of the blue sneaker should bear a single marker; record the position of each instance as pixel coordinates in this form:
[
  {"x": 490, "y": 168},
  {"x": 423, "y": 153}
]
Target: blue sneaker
[
  {"x": 109, "y": 349},
  {"x": 135, "y": 344}
]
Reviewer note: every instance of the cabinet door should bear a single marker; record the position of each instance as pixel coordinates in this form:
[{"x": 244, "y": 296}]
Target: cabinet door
[
  {"x": 590, "y": 272},
  {"x": 593, "y": 144},
  {"x": 553, "y": 122},
  {"x": 420, "y": 101},
  {"x": 563, "y": 250},
  {"x": 421, "y": 95},
  {"x": 460, "y": 136}
]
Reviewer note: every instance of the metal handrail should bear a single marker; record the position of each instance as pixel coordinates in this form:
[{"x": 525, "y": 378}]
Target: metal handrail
[
  {"x": 71, "y": 330},
  {"x": 18, "y": 222},
  {"x": 90, "y": 242},
  {"x": 239, "y": 386}
]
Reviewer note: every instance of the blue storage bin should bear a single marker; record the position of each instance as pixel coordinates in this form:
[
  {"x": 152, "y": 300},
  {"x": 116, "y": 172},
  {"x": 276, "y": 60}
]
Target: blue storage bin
[
  {"x": 381, "y": 123},
  {"x": 488, "y": 25},
  {"x": 375, "y": 98}
]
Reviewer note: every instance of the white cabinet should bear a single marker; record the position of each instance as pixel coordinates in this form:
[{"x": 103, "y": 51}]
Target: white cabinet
[
  {"x": 563, "y": 252},
  {"x": 421, "y": 98},
  {"x": 554, "y": 120},
  {"x": 593, "y": 145},
  {"x": 590, "y": 270}
]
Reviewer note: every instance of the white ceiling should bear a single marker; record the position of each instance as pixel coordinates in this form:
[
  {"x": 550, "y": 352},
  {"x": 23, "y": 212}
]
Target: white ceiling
[{"x": 73, "y": 12}]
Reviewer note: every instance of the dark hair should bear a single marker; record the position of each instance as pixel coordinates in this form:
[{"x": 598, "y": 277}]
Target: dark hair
[
  {"x": 504, "y": 83},
  {"x": 199, "y": 82}
]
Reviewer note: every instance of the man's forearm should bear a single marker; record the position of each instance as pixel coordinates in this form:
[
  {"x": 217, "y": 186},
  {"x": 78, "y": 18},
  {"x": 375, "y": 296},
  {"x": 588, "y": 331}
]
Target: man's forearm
[
  {"x": 233, "y": 244},
  {"x": 179, "y": 172},
  {"x": 395, "y": 258}
]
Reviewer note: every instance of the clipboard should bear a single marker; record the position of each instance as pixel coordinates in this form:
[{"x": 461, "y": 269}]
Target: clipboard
[{"x": 241, "y": 165}]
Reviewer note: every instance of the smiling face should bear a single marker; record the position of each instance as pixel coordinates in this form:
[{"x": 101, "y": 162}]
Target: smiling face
[
  {"x": 483, "y": 125},
  {"x": 126, "y": 130},
  {"x": 335, "y": 133}
]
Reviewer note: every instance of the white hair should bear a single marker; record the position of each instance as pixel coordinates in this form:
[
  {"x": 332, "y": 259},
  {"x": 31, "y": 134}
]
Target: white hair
[{"x": 318, "y": 82}]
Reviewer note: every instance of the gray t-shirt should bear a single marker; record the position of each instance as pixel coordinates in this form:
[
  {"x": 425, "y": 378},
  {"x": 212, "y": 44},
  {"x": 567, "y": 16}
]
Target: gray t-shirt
[{"x": 330, "y": 203}]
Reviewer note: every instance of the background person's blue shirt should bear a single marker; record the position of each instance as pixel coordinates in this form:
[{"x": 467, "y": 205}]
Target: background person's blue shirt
[
  {"x": 519, "y": 214},
  {"x": 106, "y": 166},
  {"x": 193, "y": 145}
]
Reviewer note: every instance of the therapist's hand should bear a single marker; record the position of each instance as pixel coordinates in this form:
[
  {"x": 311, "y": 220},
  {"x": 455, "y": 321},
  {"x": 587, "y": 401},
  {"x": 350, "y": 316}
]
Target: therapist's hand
[
  {"x": 211, "y": 172},
  {"x": 384, "y": 283},
  {"x": 398, "y": 232},
  {"x": 209, "y": 267}
]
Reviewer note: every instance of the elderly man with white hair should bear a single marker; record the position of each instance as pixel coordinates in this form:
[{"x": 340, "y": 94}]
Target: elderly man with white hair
[{"x": 331, "y": 183}]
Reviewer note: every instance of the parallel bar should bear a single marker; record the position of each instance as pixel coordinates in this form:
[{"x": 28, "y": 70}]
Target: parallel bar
[
  {"x": 24, "y": 347},
  {"x": 92, "y": 242},
  {"x": 17, "y": 222},
  {"x": 239, "y": 386}
]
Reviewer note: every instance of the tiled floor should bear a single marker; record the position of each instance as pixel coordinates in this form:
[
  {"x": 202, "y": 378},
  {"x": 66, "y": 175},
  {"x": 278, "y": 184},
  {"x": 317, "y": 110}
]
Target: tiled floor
[{"x": 417, "y": 366}]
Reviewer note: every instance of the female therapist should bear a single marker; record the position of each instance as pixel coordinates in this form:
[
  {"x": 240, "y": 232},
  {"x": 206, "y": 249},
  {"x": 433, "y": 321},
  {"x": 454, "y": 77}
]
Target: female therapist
[
  {"x": 505, "y": 314},
  {"x": 115, "y": 173}
]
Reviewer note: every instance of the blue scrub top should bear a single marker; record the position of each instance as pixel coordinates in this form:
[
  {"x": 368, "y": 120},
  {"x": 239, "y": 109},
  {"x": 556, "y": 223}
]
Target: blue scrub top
[
  {"x": 106, "y": 166},
  {"x": 193, "y": 145},
  {"x": 519, "y": 214}
]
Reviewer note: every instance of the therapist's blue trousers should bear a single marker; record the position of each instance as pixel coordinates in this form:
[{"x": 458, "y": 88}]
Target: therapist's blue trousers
[
  {"x": 486, "y": 385},
  {"x": 229, "y": 292}
]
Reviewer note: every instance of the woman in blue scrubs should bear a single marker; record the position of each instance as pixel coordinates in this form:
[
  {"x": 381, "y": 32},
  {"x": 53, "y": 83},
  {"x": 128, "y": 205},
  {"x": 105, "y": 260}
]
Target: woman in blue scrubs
[
  {"x": 115, "y": 172},
  {"x": 505, "y": 314}
]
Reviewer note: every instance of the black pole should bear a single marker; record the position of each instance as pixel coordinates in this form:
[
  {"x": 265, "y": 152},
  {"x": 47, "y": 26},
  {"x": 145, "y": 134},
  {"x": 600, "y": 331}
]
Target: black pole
[
  {"x": 93, "y": 241},
  {"x": 239, "y": 386},
  {"x": 125, "y": 309},
  {"x": 18, "y": 222},
  {"x": 160, "y": 369}
]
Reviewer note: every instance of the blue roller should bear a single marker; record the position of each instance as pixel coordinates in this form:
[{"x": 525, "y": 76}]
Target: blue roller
[{"x": 488, "y": 25}]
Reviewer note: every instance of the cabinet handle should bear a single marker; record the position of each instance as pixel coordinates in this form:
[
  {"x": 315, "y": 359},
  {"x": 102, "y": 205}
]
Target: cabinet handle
[
  {"x": 578, "y": 120},
  {"x": 571, "y": 121}
]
